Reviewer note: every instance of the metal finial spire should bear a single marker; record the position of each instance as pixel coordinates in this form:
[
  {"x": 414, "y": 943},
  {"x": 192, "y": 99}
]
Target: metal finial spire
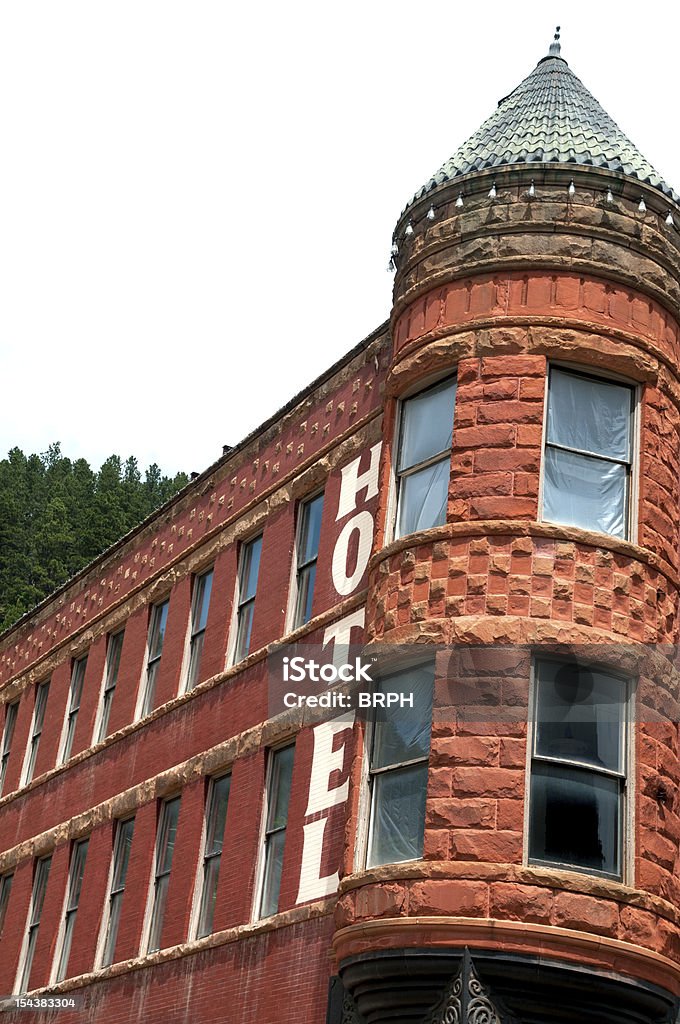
[{"x": 555, "y": 45}]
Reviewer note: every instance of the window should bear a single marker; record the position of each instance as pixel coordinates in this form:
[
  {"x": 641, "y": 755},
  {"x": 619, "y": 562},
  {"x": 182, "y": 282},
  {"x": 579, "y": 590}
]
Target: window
[
  {"x": 578, "y": 768},
  {"x": 42, "y": 872},
  {"x": 199, "y": 618},
  {"x": 41, "y": 694},
  {"x": 250, "y": 567},
  {"x": 215, "y": 819},
  {"x": 75, "y": 693},
  {"x": 159, "y": 619},
  {"x": 5, "y": 890},
  {"x": 278, "y": 796},
  {"x": 588, "y": 453},
  {"x": 307, "y": 554},
  {"x": 7, "y": 734},
  {"x": 165, "y": 847},
  {"x": 113, "y": 653},
  {"x": 423, "y": 466},
  {"x": 121, "y": 859},
  {"x": 75, "y": 882},
  {"x": 398, "y": 763}
]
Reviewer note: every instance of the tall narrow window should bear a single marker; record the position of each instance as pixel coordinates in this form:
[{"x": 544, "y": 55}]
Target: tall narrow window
[
  {"x": 278, "y": 797},
  {"x": 199, "y": 617},
  {"x": 42, "y": 872},
  {"x": 121, "y": 859},
  {"x": 5, "y": 890},
  {"x": 250, "y": 567},
  {"x": 7, "y": 735},
  {"x": 165, "y": 847},
  {"x": 307, "y": 554},
  {"x": 41, "y": 694},
  {"x": 578, "y": 768},
  {"x": 159, "y": 619},
  {"x": 216, "y": 816},
  {"x": 399, "y": 753},
  {"x": 75, "y": 693},
  {"x": 113, "y": 653},
  {"x": 588, "y": 453},
  {"x": 75, "y": 883},
  {"x": 423, "y": 465}
]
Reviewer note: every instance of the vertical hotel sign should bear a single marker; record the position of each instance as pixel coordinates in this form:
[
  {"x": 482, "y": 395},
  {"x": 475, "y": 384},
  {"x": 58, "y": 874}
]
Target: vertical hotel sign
[{"x": 331, "y": 738}]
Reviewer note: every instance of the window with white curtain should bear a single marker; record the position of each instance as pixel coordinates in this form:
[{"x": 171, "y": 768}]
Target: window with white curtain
[
  {"x": 424, "y": 459},
  {"x": 588, "y": 460},
  {"x": 578, "y": 768},
  {"x": 398, "y": 766}
]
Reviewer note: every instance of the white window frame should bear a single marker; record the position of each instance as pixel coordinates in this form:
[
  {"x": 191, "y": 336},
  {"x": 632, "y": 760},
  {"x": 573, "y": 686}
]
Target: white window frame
[
  {"x": 256, "y": 914},
  {"x": 365, "y": 815},
  {"x": 450, "y": 373},
  {"x": 6, "y": 883},
  {"x": 199, "y": 884},
  {"x": 11, "y": 715},
  {"x": 116, "y": 855},
  {"x": 33, "y": 745},
  {"x": 149, "y": 913},
  {"x": 294, "y": 588},
  {"x": 233, "y": 657},
  {"x": 101, "y": 724},
  {"x": 75, "y": 692},
  {"x": 155, "y": 615},
  {"x": 31, "y": 928},
  {"x": 69, "y": 913},
  {"x": 627, "y": 808},
  {"x": 193, "y": 633},
  {"x": 632, "y": 517}
]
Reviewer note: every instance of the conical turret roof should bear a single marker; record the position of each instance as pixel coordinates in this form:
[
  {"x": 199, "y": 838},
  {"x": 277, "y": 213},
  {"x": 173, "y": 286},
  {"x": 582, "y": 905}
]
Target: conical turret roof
[{"x": 550, "y": 118}]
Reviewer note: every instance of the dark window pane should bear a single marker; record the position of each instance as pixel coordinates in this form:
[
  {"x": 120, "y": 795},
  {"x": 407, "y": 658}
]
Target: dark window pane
[
  {"x": 310, "y": 532},
  {"x": 250, "y": 569},
  {"x": 423, "y": 497},
  {"x": 245, "y": 628},
  {"x": 403, "y": 734},
  {"x": 272, "y": 875},
  {"x": 279, "y": 790},
  {"x": 579, "y": 490},
  {"x": 398, "y": 815},
  {"x": 575, "y": 818},
  {"x": 580, "y": 713},
  {"x": 306, "y": 580},
  {"x": 589, "y": 415},
  {"x": 427, "y": 424}
]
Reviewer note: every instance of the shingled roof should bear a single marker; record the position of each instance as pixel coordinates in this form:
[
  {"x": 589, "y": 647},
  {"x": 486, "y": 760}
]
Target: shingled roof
[{"x": 550, "y": 118}]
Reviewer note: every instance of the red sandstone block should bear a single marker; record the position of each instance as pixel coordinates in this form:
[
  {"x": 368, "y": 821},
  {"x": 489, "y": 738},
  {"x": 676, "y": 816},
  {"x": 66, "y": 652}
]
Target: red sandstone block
[
  {"x": 482, "y": 297},
  {"x": 436, "y": 844},
  {"x": 510, "y": 412},
  {"x": 502, "y": 508},
  {"x": 539, "y": 289},
  {"x": 468, "y": 750},
  {"x": 567, "y": 292},
  {"x": 433, "y": 310},
  {"x": 506, "y": 388},
  {"x": 468, "y": 371},
  {"x": 384, "y": 900},
  {"x": 456, "y": 813},
  {"x": 620, "y": 306},
  {"x": 510, "y": 815},
  {"x": 492, "y": 436},
  {"x": 495, "y": 367},
  {"x": 495, "y": 847},
  {"x": 490, "y": 460},
  {"x": 531, "y": 388},
  {"x": 449, "y": 897},
  {"x": 485, "y": 484},
  {"x": 513, "y": 753},
  {"x": 511, "y": 902},
  {"x": 528, "y": 434},
  {"x": 489, "y": 782},
  {"x": 585, "y": 913},
  {"x": 595, "y": 296}
]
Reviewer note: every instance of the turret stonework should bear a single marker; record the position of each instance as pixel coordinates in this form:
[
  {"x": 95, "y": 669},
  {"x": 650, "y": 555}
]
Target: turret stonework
[{"x": 484, "y": 497}]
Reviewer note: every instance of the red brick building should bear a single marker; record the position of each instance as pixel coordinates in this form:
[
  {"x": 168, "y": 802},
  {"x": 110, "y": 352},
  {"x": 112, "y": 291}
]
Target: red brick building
[{"x": 490, "y": 484}]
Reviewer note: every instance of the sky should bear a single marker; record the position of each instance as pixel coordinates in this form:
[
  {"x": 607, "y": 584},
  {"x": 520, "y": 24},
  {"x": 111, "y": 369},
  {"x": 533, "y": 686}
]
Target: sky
[{"x": 198, "y": 198}]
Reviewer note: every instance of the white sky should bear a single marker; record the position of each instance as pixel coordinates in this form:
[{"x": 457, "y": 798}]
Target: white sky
[{"x": 197, "y": 198}]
